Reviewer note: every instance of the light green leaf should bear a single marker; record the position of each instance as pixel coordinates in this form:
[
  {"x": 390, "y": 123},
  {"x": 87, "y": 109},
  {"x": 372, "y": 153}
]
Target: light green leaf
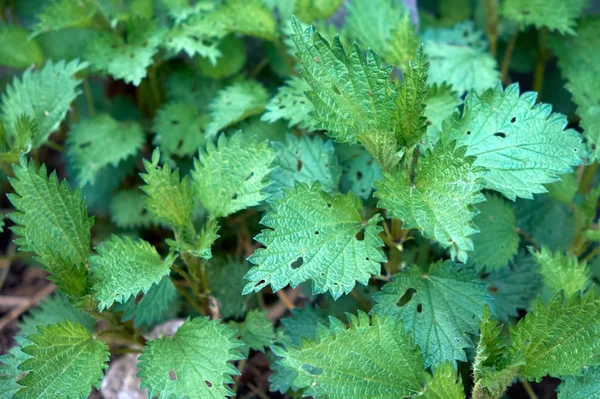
[
  {"x": 441, "y": 103},
  {"x": 497, "y": 242},
  {"x": 60, "y": 14},
  {"x": 152, "y": 306},
  {"x": 450, "y": 294},
  {"x": 359, "y": 170},
  {"x": 249, "y": 17},
  {"x": 305, "y": 160},
  {"x": 179, "y": 128},
  {"x": 309, "y": 10},
  {"x": 346, "y": 362},
  {"x": 556, "y": 15},
  {"x": 311, "y": 235},
  {"x": 256, "y": 332},
  {"x": 99, "y": 141},
  {"x": 44, "y": 95},
  {"x": 194, "y": 363},
  {"x": 521, "y": 144},
  {"x": 231, "y": 61},
  {"x": 561, "y": 272},
  {"x": 52, "y": 222},
  {"x": 236, "y": 103},
  {"x": 444, "y": 384},
  {"x": 586, "y": 386},
  {"x": 438, "y": 200},
  {"x": 127, "y": 209},
  {"x": 290, "y": 103},
  {"x": 17, "y": 51},
  {"x": 246, "y": 165},
  {"x": 458, "y": 56},
  {"x": 124, "y": 267},
  {"x": 60, "y": 352}
]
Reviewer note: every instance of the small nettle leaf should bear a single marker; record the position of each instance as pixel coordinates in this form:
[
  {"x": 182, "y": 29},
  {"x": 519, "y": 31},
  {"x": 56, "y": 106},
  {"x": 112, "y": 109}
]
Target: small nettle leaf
[
  {"x": 458, "y": 56},
  {"x": 51, "y": 221},
  {"x": 250, "y": 18},
  {"x": 231, "y": 61},
  {"x": 497, "y": 242},
  {"x": 60, "y": 14},
  {"x": 438, "y": 200},
  {"x": 126, "y": 59},
  {"x": 385, "y": 27},
  {"x": 232, "y": 175},
  {"x": 123, "y": 267},
  {"x": 17, "y": 51},
  {"x": 561, "y": 272},
  {"x": 100, "y": 141},
  {"x": 127, "y": 209},
  {"x": 169, "y": 199},
  {"x": 585, "y": 386},
  {"x": 304, "y": 323},
  {"x": 556, "y": 15},
  {"x": 451, "y": 295},
  {"x": 445, "y": 384},
  {"x": 305, "y": 159},
  {"x": 152, "y": 306},
  {"x": 308, "y": 10},
  {"x": 441, "y": 103},
  {"x": 43, "y": 95},
  {"x": 179, "y": 128},
  {"x": 226, "y": 280},
  {"x": 359, "y": 170},
  {"x": 256, "y": 332},
  {"x": 346, "y": 362},
  {"x": 189, "y": 88},
  {"x": 523, "y": 145},
  {"x": 194, "y": 363},
  {"x": 565, "y": 189},
  {"x": 291, "y": 104},
  {"x": 236, "y": 103},
  {"x": 198, "y": 245},
  {"x": 314, "y": 236},
  {"x": 10, "y": 373},
  {"x": 515, "y": 286},
  {"x": 60, "y": 352},
  {"x": 558, "y": 338}
]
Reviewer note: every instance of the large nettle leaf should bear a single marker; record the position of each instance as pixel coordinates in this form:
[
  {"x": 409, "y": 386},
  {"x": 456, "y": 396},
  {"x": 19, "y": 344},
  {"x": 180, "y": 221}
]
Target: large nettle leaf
[{"x": 314, "y": 236}]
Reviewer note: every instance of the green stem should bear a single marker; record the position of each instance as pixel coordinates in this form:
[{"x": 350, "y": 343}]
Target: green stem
[
  {"x": 491, "y": 15},
  {"x": 540, "y": 63},
  {"x": 529, "y": 390},
  {"x": 507, "y": 57},
  {"x": 88, "y": 96},
  {"x": 588, "y": 178}
]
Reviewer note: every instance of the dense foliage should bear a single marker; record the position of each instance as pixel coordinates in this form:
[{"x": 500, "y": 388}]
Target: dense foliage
[{"x": 255, "y": 166}]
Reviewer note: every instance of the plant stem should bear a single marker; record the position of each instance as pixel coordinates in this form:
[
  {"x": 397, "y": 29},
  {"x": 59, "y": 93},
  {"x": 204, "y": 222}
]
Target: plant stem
[
  {"x": 540, "y": 63},
  {"x": 588, "y": 178},
  {"x": 507, "y": 57},
  {"x": 54, "y": 146},
  {"x": 153, "y": 83},
  {"x": 88, "y": 96},
  {"x": 491, "y": 15},
  {"x": 529, "y": 390}
]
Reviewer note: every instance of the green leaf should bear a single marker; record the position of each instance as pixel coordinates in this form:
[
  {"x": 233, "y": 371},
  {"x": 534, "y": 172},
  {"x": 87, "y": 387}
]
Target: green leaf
[
  {"x": 555, "y": 15},
  {"x": 305, "y": 160},
  {"x": 194, "y": 363},
  {"x": 304, "y": 324},
  {"x": 226, "y": 279},
  {"x": 514, "y": 287},
  {"x": 44, "y": 95},
  {"x": 444, "y": 384},
  {"x": 521, "y": 144},
  {"x": 52, "y": 222},
  {"x": 99, "y": 141},
  {"x": 558, "y": 338},
  {"x": 441, "y": 103},
  {"x": 126, "y": 59},
  {"x": 497, "y": 242},
  {"x": 124, "y": 267},
  {"x": 256, "y": 332},
  {"x": 127, "y": 209},
  {"x": 189, "y": 88},
  {"x": 17, "y": 50},
  {"x": 346, "y": 362},
  {"x": 169, "y": 199},
  {"x": 586, "y": 386},
  {"x": 9, "y": 373},
  {"x": 179, "y": 129},
  {"x": 152, "y": 306},
  {"x": 385, "y": 27},
  {"x": 359, "y": 170},
  {"x": 236, "y": 103},
  {"x": 290, "y": 103},
  {"x": 438, "y": 200},
  {"x": 308, "y": 10},
  {"x": 60, "y": 14},
  {"x": 60, "y": 352},
  {"x": 564, "y": 190},
  {"x": 1, "y": 223},
  {"x": 249, "y": 17},
  {"x": 312, "y": 235},
  {"x": 246, "y": 165},
  {"x": 458, "y": 56},
  {"x": 231, "y": 61},
  {"x": 561, "y": 272},
  {"x": 450, "y": 294}
]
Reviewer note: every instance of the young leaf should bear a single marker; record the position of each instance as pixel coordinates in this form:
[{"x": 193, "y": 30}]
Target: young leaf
[
  {"x": 359, "y": 170},
  {"x": 256, "y": 332},
  {"x": 521, "y": 144},
  {"x": 52, "y": 222},
  {"x": 99, "y": 141},
  {"x": 497, "y": 242},
  {"x": 60, "y": 352},
  {"x": 444, "y": 384},
  {"x": 179, "y": 128},
  {"x": 44, "y": 96},
  {"x": 458, "y": 56},
  {"x": 441, "y": 103},
  {"x": 127, "y": 210},
  {"x": 305, "y": 160},
  {"x": 124, "y": 267},
  {"x": 561, "y": 272},
  {"x": 17, "y": 51},
  {"x": 194, "y": 363},
  {"x": 236, "y": 103},
  {"x": 313, "y": 236},
  {"x": 246, "y": 165},
  {"x": 151, "y": 308},
  {"x": 586, "y": 386},
  {"x": 439, "y": 200},
  {"x": 230, "y": 63},
  {"x": 346, "y": 362},
  {"x": 450, "y": 294},
  {"x": 558, "y": 338},
  {"x": 60, "y": 14},
  {"x": 556, "y": 15},
  {"x": 290, "y": 103},
  {"x": 308, "y": 10},
  {"x": 249, "y": 17}
]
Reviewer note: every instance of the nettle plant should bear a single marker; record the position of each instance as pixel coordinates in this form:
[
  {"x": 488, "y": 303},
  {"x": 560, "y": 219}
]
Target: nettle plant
[{"x": 384, "y": 146}]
